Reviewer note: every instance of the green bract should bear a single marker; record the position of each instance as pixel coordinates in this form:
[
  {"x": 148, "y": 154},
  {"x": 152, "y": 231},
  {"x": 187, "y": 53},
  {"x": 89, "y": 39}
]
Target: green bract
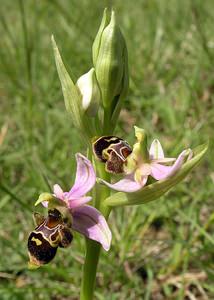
[
  {"x": 70, "y": 92},
  {"x": 97, "y": 40},
  {"x": 159, "y": 188},
  {"x": 73, "y": 98}
]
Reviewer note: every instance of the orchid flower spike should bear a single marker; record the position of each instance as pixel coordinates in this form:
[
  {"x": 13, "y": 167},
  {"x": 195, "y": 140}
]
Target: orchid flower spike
[
  {"x": 141, "y": 164},
  {"x": 86, "y": 219}
]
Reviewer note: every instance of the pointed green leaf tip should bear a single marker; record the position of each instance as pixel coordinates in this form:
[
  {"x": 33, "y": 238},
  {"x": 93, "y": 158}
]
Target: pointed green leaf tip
[
  {"x": 159, "y": 188},
  {"x": 97, "y": 41},
  {"x": 71, "y": 94}
]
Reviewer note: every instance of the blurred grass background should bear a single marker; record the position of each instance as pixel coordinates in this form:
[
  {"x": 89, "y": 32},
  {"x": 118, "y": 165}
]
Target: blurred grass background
[{"x": 163, "y": 250}]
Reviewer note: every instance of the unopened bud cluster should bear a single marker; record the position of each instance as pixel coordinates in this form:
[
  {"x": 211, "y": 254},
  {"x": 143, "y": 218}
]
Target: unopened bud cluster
[
  {"x": 111, "y": 62},
  {"x": 98, "y": 94}
]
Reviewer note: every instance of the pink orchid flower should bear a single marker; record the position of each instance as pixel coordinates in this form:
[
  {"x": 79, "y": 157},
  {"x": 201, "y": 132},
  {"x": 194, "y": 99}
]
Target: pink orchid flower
[
  {"x": 87, "y": 220},
  {"x": 154, "y": 166}
]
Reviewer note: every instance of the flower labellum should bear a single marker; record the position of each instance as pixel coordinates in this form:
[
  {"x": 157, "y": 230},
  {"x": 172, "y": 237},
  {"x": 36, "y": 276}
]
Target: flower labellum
[
  {"x": 51, "y": 232},
  {"x": 113, "y": 151}
]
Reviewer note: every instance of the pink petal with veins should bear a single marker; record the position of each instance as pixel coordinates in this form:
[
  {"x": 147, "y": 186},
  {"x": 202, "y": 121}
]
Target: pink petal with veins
[
  {"x": 85, "y": 177},
  {"x": 58, "y": 192},
  {"x": 74, "y": 203}
]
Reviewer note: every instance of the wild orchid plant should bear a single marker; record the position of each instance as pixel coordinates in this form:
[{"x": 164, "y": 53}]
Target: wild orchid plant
[{"x": 94, "y": 105}]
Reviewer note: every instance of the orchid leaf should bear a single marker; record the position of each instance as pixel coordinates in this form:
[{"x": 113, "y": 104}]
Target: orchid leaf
[{"x": 159, "y": 188}]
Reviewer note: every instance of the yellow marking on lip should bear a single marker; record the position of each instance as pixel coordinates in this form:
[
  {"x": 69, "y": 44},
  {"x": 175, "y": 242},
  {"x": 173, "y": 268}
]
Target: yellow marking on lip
[
  {"x": 37, "y": 241},
  {"x": 111, "y": 139}
]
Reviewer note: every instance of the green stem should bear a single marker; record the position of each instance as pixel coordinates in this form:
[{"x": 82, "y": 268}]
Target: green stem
[
  {"x": 93, "y": 249},
  {"x": 107, "y": 122},
  {"x": 90, "y": 270}
]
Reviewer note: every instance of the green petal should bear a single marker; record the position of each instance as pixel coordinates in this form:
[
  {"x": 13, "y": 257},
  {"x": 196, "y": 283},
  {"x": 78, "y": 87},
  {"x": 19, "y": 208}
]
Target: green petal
[{"x": 159, "y": 188}]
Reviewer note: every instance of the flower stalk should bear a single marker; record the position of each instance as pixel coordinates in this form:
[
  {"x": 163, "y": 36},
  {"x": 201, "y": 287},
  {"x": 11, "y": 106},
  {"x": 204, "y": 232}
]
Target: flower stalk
[
  {"x": 93, "y": 249},
  {"x": 90, "y": 270}
]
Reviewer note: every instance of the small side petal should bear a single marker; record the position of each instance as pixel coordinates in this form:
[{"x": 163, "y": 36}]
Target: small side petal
[
  {"x": 58, "y": 192},
  {"x": 127, "y": 184},
  {"x": 156, "y": 150},
  {"x": 85, "y": 177},
  {"x": 88, "y": 221},
  {"x": 160, "y": 172},
  {"x": 74, "y": 203}
]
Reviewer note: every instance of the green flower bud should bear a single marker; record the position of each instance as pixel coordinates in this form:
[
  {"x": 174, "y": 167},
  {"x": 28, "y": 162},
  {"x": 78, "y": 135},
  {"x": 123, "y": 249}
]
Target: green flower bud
[
  {"x": 90, "y": 91},
  {"x": 111, "y": 63}
]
